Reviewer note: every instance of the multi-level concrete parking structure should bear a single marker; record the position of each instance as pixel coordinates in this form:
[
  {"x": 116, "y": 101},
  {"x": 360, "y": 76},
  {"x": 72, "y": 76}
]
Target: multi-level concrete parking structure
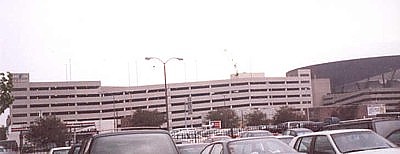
[{"x": 88, "y": 101}]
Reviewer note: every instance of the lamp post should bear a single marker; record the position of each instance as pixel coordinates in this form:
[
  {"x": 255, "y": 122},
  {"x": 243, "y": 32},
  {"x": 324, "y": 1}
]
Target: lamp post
[{"x": 165, "y": 84}]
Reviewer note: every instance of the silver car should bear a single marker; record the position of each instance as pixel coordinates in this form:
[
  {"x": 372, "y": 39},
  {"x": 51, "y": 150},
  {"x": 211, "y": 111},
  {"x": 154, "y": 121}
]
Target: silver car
[{"x": 358, "y": 141}]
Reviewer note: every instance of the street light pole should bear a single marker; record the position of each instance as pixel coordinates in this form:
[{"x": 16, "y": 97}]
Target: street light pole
[{"x": 165, "y": 84}]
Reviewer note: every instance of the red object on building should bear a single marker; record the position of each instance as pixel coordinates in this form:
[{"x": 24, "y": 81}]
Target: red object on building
[{"x": 215, "y": 124}]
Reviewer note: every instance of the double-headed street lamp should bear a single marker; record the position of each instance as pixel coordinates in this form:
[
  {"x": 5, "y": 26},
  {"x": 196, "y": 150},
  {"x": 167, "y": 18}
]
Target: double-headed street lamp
[{"x": 165, "y": 84}]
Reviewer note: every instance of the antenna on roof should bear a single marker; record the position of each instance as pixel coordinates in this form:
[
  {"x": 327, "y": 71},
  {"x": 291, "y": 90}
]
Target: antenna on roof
[{"x": 234, "y": 63}]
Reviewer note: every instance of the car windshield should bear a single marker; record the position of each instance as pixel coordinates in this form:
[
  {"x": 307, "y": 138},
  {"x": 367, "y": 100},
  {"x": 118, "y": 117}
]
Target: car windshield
[
  {"x": 259, "y": 145},
  {"x": 134, "y": 143},
  {"x": 359, "y": 141},
  {"x": 191, "y": 149},
  {"x": 302, "y": 132},
  {"x": 63, "y": 151}
]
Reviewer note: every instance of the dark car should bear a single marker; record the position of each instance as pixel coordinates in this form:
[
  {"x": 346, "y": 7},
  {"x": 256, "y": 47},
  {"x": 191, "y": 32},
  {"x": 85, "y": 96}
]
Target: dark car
[
  {"x": 149, "y": 141},
  {"x": 296, "y": 131},
  {"x": 249, "y": 145},
  {"x": 191, "y": 148}
]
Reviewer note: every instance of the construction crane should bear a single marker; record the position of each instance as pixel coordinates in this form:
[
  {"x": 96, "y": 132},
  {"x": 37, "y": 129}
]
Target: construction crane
[{"x": 234, "y": 63}]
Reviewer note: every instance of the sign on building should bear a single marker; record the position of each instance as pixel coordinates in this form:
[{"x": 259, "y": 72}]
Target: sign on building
[
  {"x": 376, "y": 109},
  {"x": 215, "y": 124}
]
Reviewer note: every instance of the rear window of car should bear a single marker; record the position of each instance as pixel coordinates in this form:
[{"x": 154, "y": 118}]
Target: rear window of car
[{"x": 134, "y": 143}]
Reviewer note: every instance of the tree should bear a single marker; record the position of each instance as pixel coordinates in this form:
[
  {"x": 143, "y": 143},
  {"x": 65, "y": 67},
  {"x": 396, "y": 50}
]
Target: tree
[
  {"x": 346, "y": 112},
  {"x": 6, "y": 85},
  {"x": 142, "y": 118},
  {"x": 228, "y": 117},
  {"x": 285, "y": 114},
  {"x": 3, "y": 133},
  {"x": 48, "y": 131},
  {"x": 256, "y": 118}
]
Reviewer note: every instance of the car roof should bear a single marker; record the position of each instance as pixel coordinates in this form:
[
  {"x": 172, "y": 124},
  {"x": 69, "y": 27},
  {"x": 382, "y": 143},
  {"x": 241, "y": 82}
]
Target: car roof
[
  {"x": 300, "y": 129},
  {"x": 329, "y": 132},
  {"x": 247, "y": 138},
  {"x": 191, "y": 144},
  {"x": 146, "y": 131},
  {"x": 283, "y": 136}
]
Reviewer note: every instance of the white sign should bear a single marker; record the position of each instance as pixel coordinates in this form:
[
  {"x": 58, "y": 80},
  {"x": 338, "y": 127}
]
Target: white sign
[{"x": 376, "y": 109}]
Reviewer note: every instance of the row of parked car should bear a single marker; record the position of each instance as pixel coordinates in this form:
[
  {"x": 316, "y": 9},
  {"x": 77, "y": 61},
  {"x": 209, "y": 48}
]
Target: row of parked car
[{"x": 339, "y": 140}]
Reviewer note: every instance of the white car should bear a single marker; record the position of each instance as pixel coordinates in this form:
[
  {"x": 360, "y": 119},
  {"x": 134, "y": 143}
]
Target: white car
[
  {"x": 59, "y": 150},
  {"x": 354, "y": 141}
]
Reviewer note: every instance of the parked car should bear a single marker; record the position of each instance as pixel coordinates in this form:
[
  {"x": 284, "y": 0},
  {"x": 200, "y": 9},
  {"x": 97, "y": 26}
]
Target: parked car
[
  {"x": 4, "y": 150},
  {"x": 216, "y": 138},
  {"x": 59, "y": 150},
  {"x": 249, "y": 145},
  {"x": 9, "y": 146},
  {"x": 191, "y": 148},
  {"x": 152, "y": 141},
  {"x": 284, "y": 138},
  {"x": 358, "y": 141},
  {"x": 296, "y": 131},
  {"x": 255, "y": 133},
  {"x": 387, "y": 127},
  {"x": 74, "y": 149}
]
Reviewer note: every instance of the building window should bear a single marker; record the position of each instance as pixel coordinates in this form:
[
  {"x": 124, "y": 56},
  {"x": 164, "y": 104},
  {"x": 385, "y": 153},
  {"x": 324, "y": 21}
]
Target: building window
[
  {"x": 306, "y": 81},
  {"x": 220, "y": 92},
  {"x": 157, "y": 98},
  {"x": 20, "y": 123},
  {"x": 20, "y": 115},
  {"x": 292, "y": 82},
  {"x": 292, "y": 103},
  {"x": 256, "y": 83},
  {"x": 179, "y": 88},
  {"x": 240, "y": 84},
  {"x": 240, "y": 98},
  {"x": 278, "y": 89},
  {"x": 291, "y": 96},
  {"x": 259, "y": 97},
  {"x": 34, "y": 114},
  {"x": 179, "y": 96},
  {"x": 20, "y": 97},
  {"x": 62, "y": 88},
  {"x": 306, "y": 88},
  {"x": 258, "y": 90},
  {"x": 139, "y": 92},
  {"x": 39, "y": 105},
  {"x": 155, "y": 90},
  {"x": 38, "y": 88},
  {"x": 276, "y": 82},
  {"x": 200, "y": 87},
  {"x": 88, "y": 87},
  {"x": 201, "y": 102},
  {"x": 279, "y": 103},
  {"x": 88, "y": 111},
  {"x": 293, "y": 89},
  {"x": 219, "y": 85},
  {"x": 19, "y": 106},
  {"x": 19, "y": 89}
]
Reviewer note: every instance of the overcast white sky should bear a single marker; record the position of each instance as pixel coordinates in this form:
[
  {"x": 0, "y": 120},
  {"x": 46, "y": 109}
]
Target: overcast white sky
[{"x": 108, "y": 40}]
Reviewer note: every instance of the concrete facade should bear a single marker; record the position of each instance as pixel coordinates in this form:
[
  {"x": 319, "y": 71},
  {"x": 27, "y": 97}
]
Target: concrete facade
[{"x": 88, "y": 101}]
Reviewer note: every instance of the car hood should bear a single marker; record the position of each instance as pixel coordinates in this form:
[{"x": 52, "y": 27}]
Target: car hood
[{"x": 379, "y": 151}]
